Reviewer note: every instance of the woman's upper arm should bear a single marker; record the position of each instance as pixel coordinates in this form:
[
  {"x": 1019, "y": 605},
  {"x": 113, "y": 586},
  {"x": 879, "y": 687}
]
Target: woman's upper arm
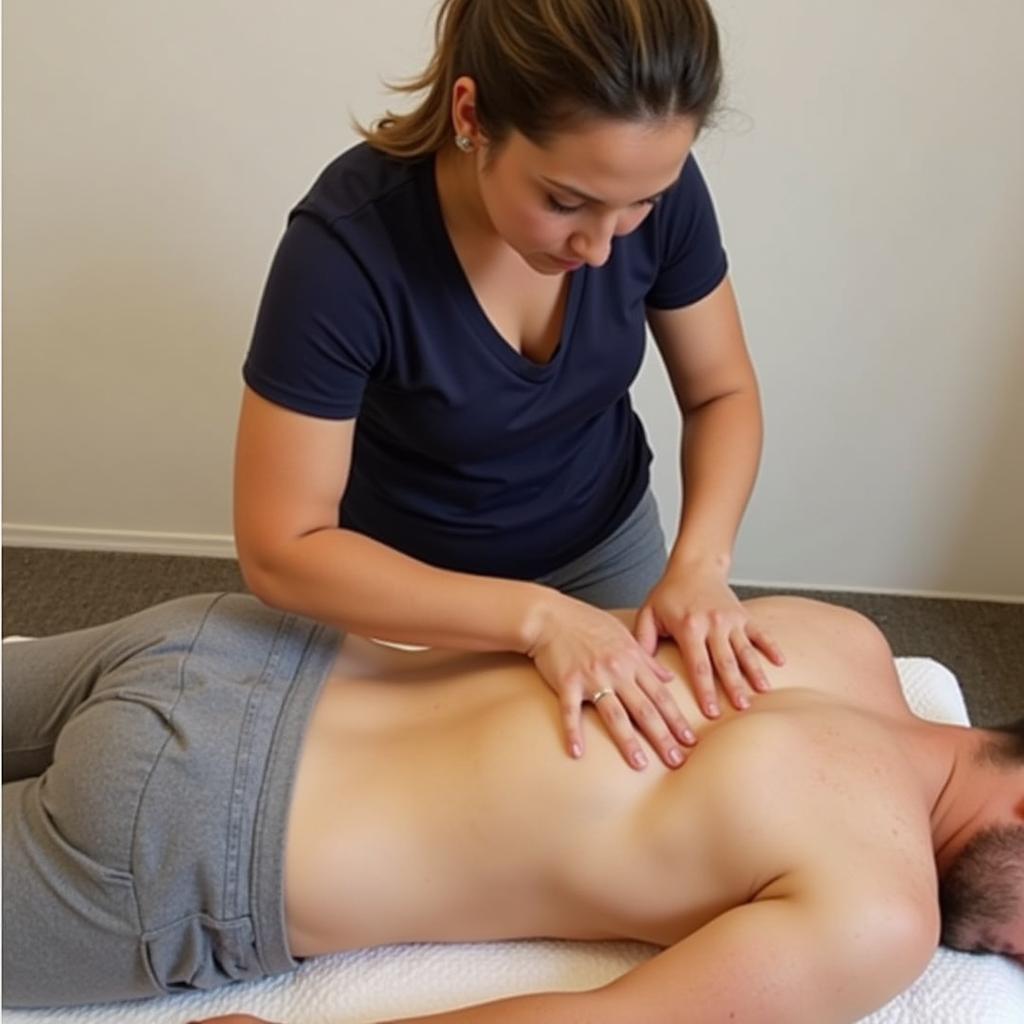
[
  {"x": 291, "y": 471},
  {"x": 703, "y": 347},
  {"x": 320, "y": 336}
]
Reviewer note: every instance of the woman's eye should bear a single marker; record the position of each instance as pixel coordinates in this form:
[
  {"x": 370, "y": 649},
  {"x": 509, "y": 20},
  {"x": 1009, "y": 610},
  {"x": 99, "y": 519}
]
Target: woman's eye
[
  {"x": 558, "y": 207},
  {"x": 646, "y": 204}
]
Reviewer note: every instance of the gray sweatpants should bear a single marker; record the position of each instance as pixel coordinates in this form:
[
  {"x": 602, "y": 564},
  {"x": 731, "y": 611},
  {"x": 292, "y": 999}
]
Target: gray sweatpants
[
  {"x": 620, "y": 571},
  {"x": 147, "y": 774}
]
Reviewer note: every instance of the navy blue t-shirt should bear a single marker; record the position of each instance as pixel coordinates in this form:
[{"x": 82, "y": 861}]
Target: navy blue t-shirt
[{"x": 467, "y": 455}]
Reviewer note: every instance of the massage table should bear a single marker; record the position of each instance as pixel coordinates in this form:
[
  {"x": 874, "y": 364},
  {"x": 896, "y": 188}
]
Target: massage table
[{"x": 375, "y": 985}]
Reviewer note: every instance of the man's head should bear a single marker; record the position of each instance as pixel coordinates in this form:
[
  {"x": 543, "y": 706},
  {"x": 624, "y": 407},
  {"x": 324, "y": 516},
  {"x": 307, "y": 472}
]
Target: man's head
[{"x": 981, "y": 894}]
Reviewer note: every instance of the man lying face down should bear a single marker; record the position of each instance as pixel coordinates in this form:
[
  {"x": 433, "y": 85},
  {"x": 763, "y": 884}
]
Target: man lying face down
[{"x": 209, "y": 791}]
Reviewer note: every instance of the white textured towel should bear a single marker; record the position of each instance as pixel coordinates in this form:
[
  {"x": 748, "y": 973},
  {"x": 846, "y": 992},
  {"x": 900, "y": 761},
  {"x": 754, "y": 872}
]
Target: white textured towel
[{"x": 378, "y": 984}]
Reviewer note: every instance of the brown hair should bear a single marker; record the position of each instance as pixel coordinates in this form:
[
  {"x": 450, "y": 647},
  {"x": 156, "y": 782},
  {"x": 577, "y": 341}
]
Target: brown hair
[
  {"x": 982, "y": 888},
  {"x": 1004, "y": 745},
  {"x": 539, "y": 65}
]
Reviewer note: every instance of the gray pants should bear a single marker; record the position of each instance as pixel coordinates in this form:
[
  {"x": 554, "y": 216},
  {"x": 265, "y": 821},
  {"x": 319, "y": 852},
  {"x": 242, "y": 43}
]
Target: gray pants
[
  {"x": 147, "y": 774},
  {"x": 621, "y": 570}
]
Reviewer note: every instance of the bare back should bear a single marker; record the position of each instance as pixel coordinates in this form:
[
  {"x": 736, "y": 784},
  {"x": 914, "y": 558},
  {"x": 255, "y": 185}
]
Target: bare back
[{"x": 434, "y": 800}]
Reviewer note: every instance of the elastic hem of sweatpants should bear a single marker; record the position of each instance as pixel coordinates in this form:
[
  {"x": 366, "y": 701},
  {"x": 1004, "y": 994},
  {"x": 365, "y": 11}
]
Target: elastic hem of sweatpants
[{"x": 271, "y": 826}]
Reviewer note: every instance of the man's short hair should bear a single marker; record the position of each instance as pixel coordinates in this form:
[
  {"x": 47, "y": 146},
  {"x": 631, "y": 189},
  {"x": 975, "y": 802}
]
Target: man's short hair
[
  {"x": 982, "y": 889},
  {"x": 1004, "y": 747}
]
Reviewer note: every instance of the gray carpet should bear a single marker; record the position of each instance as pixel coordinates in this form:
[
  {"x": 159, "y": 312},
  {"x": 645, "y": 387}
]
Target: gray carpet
[{"x": 49, "y": 591}]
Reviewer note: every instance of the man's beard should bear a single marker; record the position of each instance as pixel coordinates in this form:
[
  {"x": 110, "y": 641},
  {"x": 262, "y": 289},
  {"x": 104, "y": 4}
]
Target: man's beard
[{"x": 982, "y": 890}]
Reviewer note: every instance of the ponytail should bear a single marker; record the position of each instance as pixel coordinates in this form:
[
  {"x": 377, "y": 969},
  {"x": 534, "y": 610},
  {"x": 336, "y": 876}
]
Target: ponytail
[{"x": 539, "y": 65}]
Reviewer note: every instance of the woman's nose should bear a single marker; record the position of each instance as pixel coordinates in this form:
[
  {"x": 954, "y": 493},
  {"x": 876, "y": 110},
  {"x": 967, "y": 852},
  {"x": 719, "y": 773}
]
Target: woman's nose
[{"x": 593, "y": 248}]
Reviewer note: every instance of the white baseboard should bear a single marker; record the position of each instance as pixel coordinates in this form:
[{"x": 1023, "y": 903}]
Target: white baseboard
[
  {"x": 839, "y": 588},
  {"x": 136, "y": 541}
]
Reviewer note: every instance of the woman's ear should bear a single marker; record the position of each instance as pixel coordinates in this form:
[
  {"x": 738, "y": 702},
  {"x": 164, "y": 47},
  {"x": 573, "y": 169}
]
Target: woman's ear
[{"x": 465, "y": 121}]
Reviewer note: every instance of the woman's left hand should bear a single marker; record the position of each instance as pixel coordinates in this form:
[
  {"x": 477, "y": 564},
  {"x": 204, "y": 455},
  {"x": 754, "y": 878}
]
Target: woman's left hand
[{"x": 717, "y": 637}]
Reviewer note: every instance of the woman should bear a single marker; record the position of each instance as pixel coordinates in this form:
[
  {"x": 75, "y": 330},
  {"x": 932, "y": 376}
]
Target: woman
[{"x": 446, "y": 341}]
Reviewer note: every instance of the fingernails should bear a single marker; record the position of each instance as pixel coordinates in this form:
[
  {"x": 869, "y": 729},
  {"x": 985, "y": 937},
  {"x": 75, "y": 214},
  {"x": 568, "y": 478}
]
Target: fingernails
[
  {"x": 577, "y": 750},
  {"x": 638, "y": 759},
  {"x": 742, "y": 703},
  {"x": 689, "y": 736},
  {"x": 675, "y": 757},
  {"x": 713, "y": 710}
]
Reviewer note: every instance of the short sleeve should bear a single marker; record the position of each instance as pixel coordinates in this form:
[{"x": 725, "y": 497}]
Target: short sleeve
[
  {"x": 320, "y": 331},
  {"x": 692, "y": 260}
]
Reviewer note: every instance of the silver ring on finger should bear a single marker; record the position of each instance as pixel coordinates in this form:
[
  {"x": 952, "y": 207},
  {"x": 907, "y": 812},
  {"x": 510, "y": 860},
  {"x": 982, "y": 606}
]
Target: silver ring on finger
[{"x": 600, "y": 695}]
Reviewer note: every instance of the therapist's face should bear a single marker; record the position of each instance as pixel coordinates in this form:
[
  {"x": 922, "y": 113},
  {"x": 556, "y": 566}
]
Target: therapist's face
[{"x": 562, "y": 204}]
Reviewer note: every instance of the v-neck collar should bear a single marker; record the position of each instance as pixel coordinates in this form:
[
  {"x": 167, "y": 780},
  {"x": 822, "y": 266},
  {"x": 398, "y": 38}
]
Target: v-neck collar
[{"x": 452, "y": 274}]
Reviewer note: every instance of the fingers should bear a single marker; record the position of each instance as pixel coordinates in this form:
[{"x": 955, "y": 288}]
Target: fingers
[
  {"x": 719, "y": 652},
  {"x": 645, "y": 705},
  {"x": 727, "y": 668},
  {"x": 591, "y": 652},
  {"x": 750, "y": 663},
  {"x": 621, "y": 730},
  {"x": 646, "y": 631},
  {"x": 692, "y": 640},
  {"x": 764, "y": 643},
  {"x": 657, "y": 716},
  {"x": 664, "y": 674},
  {"x": 662, "y": 699},
  {"x": 742, "y": 664},
  {"x": 571, "y": 703}
]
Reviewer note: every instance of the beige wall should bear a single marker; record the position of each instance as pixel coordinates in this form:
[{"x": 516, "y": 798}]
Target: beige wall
[{"x": 870, "y": 182}]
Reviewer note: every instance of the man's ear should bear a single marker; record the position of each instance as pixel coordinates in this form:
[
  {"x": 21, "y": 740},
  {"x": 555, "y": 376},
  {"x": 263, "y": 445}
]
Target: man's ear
[{"x": 1018, "y": 809}]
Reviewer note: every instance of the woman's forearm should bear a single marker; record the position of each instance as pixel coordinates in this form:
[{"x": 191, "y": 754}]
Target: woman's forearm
[
  {"x": 721, "y": 451},
  {"x": 362, "y": 586}
]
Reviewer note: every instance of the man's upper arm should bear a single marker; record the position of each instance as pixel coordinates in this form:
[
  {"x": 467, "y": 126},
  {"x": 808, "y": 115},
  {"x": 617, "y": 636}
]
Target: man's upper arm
[
  {"x": 800, "y": 954},
  {"x": 842, "y": 915}
]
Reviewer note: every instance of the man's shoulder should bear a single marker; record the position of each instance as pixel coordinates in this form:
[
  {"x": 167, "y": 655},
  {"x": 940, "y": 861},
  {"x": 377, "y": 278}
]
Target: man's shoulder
[
  {"x": 844, "y": 827},
  {"x": 815, "y": 784}
]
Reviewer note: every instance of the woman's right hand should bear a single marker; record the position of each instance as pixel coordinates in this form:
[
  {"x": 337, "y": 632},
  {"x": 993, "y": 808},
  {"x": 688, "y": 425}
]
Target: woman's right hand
[{"x": 585, "y": 653}]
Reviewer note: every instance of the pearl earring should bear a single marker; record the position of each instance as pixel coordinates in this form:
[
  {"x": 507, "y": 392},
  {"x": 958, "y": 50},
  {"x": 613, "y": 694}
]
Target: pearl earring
[{"x": 464, "y": 143}]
